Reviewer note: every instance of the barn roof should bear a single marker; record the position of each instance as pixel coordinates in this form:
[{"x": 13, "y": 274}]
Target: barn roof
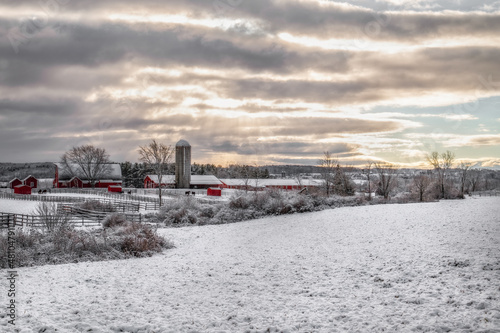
[
  {"x": 65, "y": 174},
  {"x": 270, "y": 182},
  {"x": 195, "y": 179},
  {"x": 26, "y": 178},
  {"x": 205, "y": 180},
  {"x": 165, "y": 179},
  {"x": 14, "y": 179}
]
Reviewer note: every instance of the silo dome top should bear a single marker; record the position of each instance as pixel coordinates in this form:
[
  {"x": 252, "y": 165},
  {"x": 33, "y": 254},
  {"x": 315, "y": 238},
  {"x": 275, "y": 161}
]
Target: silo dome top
[{"x": 182, "y": 143}]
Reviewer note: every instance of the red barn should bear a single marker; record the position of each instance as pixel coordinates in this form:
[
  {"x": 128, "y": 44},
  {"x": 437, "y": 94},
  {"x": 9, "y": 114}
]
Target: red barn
[
  {"x": 214, "y": 192},
  {"x": 72, "y": 176},
  {"x": 22, "y": 189},
  {"x": 168, "y": 181},
  {"x": 114, "y": 188},
  {"x": 75, "y": 182},
  {"x": 15, "y": 182},
  {"x": 30, "y": 181},
  {"x": 151, "y": 181},
  {"x": 108, "y": 182}
]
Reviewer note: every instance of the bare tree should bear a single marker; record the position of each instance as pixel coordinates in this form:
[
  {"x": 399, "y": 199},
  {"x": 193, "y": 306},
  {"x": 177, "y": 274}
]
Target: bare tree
[
  {"x": 87, "y": 162},
  {"x": 328, "y": 165},
  {"x": 156, "y": 156},
  {"x": 387, "y": 177},
  {"x": 441, "y": 163},
  {"x": 464, "y": 169},
  {"x": 420, "y": 184},
  {"x": 367, "y": 170},
  {"x": 474, "y": 179}
]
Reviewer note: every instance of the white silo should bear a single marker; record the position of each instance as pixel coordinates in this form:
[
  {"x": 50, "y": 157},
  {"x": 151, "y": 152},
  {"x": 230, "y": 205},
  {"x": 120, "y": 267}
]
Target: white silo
[{"x": 182, "y": 164}]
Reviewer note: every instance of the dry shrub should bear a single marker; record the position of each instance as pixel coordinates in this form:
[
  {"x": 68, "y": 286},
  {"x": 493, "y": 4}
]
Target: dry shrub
[
  {"x": 141, "y": 240},
  {"x": 239, "y": 202},
  {"x": 49, "y": 216},
  {"x": 97, "y": 206},
  {"x": 67, "y": 244},
  {"x": 182, "y": 211},
  {"x": 114, "y": 220},
  {"x": 246, "y": 206}
]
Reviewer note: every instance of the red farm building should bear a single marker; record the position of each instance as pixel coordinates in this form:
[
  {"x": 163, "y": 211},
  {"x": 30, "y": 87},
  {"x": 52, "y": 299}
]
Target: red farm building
[
  {"x": 260, "y": 184},
  {"x": 214, "y": 192},
  {"x": 72, "y": 177},
  {"x": 75, "y": 182},
  {"x": 30, "y": 181},
  {"x": 22, "y": 189},
  {"x": 15, "y": 182},
  {"x": 197, "y": 181},
  {"x": 151, "y": 181},
  {"x": 115, "y": 189}
]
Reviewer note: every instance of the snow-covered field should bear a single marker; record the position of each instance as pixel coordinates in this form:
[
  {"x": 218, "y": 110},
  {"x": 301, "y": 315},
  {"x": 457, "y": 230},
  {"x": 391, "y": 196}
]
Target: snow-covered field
[
  {"x": 18, "y": 206},
  {"x": 431, "y": 267}
]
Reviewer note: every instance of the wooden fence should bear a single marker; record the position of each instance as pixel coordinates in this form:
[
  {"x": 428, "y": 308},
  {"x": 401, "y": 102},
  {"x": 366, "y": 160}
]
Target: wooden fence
[
  {"x": 5, "y": 220},
  {"x": 116, "y": 196},
  {"x": 45, "y": 198},
  {"x": 123, "y": 204},
  {"x": 23, "y": 220},
  {"x": 69, "y": 214},
  {"x": 93, "y": 215}
]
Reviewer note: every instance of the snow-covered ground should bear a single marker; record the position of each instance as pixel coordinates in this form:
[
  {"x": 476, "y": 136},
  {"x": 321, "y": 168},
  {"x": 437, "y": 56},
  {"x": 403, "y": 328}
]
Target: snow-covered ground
[
  {"x": 431, "y": 267},
  {"x": 18, "y": 206}
]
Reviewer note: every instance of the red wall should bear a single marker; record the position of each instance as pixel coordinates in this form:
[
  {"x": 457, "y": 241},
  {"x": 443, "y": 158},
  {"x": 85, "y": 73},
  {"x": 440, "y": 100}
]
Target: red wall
[
  {"x": 15, "y": 182},
  {"x": 76, "y": 182},
  {"x": 115, "y": 189},
  {"x": 30, "y": 180},
  {"x": 106, "y": 184},
  {"x": 215, "y": 192},
  {"x": 22, "y": 189}
]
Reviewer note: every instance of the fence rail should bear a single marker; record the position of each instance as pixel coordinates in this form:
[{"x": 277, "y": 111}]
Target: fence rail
[
  {"x": 103, "y": 193},
  {"x": 93, "y": 215},
  {"x": 69, "y": 214},
  {"x": 45, "y": 198},
  {"x": 23, "y": 220},
  {"x": 120, "y": 204},
  {"x": 5, "y": 220}
]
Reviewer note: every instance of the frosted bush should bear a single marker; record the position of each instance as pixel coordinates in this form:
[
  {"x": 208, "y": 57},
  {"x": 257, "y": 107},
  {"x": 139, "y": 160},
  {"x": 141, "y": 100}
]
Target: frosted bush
[{"x": 245, "y": 206}]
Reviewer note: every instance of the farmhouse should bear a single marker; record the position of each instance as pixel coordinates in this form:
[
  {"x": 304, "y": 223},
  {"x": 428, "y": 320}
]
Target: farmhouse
[{"x": 73, "y": 177}]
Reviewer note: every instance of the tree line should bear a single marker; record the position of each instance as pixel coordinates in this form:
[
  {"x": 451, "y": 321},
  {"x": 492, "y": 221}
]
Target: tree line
[{"x": 446, "y": 178}]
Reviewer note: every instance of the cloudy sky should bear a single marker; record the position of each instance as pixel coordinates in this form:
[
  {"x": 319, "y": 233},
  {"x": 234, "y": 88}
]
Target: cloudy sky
[{"x": 252, "y": 81}]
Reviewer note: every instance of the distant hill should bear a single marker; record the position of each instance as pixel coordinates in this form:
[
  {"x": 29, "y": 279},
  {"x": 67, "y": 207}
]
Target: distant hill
[{"x": 21, "y": 170}]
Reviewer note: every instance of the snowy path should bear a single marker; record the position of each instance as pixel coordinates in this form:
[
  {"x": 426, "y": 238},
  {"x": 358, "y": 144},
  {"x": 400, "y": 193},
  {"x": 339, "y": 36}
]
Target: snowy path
[{"x": 431, "y": 267}]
